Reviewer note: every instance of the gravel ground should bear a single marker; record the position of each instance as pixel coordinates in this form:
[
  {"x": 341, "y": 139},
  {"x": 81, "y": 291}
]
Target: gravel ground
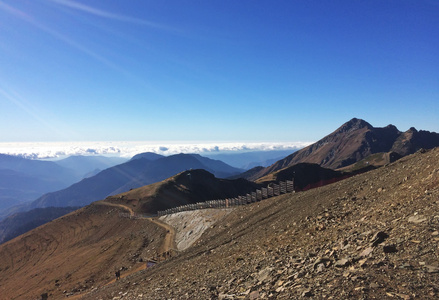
[{"x": 372, "y": 236}]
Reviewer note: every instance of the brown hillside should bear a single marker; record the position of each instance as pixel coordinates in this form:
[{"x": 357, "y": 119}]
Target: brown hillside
[
  {"x": 354, "y": 141},
  {"x": 372, "y": 161},
  {"x": 81, "y": 251},
  {"x": 413, "y": 140},
  {"x": 372, "y": 236},
  {"x": 303, "y": 174},
  {"x": 77, "y": 252},
  {"x": 184, "y": 188}
]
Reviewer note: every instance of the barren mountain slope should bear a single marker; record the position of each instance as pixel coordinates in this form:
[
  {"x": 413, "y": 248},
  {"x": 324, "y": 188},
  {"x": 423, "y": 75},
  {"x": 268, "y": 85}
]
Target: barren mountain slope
[
  {"x": 354, "y": 141},
  {"x": 84, "y": 248},
  {"x": 75, "y": 253},
  {"x": 184, "y": 188},
  {"x": 372, "y": 236},
  {"x": 20, "y": 223},
  {"x": 412, "y": 140},
  {"x": 303, "y": 175}
]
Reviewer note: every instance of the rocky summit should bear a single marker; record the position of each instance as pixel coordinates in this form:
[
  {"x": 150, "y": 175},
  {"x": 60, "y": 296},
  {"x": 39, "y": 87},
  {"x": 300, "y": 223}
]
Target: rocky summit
[
  {"x": 371, "y": 236},
  {"x": 354, "y": 141}
]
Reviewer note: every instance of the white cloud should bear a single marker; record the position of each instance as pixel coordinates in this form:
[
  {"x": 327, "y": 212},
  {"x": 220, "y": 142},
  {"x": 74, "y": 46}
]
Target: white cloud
[{"x": 53, "y": 150}]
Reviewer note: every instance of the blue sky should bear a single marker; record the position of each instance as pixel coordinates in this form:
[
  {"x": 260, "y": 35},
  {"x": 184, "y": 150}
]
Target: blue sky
[{"x": 219, "y": 71}]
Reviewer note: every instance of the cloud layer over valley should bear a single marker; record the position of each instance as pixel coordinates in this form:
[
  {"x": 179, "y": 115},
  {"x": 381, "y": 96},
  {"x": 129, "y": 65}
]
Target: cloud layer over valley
[{"x": 55, "y": 150}]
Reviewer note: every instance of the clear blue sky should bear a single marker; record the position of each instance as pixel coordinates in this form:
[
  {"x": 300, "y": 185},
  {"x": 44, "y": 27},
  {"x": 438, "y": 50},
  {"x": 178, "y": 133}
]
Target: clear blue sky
[{"x": 141, "y": 70}]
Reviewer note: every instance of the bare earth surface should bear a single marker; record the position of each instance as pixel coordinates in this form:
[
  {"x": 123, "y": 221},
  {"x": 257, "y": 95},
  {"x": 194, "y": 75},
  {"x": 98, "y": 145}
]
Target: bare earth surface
[
  {"x": 372, "y": 236},
  {"x": 77, "y": 253},
  {"x": 169, "y": 241}
]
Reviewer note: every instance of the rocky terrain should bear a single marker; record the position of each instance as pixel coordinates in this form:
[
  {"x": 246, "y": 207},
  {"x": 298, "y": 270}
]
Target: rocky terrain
[
  {"x": 371, "y": 236},
  {"x": 354, "y": 141}
]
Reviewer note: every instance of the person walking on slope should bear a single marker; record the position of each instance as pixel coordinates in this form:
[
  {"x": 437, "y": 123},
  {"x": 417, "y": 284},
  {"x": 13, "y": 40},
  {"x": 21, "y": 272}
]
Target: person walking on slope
[{"x": 117, "y": 274}]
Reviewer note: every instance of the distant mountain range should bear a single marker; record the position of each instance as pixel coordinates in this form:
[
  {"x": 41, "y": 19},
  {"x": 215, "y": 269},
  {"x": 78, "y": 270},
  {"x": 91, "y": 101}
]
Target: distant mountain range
[
  {"x": 248, "y": 160},
  {"x": 58, "y": 183},
  {"x": 148, "y": 156},
  {"x": 23, "y": 180},
  {"x": 354, "y": 141},
  {"x": 87, "y": 166},
  {"x": 132, "y": 174}
]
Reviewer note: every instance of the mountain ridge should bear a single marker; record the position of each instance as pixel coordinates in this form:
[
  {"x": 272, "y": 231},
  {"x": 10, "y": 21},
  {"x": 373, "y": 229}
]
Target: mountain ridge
[
  {"x": 187, "y": 187},
  {"x": 132, "y": 174},
  {"x": 23, "y": 180},
  {"x": 352, "y": 142}
]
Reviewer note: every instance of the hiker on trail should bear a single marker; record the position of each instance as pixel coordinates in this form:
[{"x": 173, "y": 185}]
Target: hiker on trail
[{"x": 117, "y": 275}]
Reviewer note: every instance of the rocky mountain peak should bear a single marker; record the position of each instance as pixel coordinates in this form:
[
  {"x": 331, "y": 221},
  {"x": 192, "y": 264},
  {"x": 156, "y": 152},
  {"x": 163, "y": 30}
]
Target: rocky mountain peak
[
  {"x": 353, "y": 141},
  {"x": 391, "y": 127},
  {"x": 193, "y": 175},
  {"x": 354, "y": 124}
]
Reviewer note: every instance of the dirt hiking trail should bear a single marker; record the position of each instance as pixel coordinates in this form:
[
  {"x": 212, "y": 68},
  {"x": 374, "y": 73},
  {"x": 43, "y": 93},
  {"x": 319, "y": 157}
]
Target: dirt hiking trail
[{"x": 167, "y": 246}]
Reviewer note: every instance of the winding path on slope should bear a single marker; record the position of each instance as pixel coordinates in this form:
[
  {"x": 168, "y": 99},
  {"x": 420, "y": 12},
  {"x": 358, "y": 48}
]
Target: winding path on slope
[
  {"x": 168, "y": 243},
  {"x": 129, "y": 209}
]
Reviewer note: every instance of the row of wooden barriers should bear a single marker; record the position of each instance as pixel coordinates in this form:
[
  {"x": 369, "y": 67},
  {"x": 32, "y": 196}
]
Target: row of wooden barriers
[{"x": 273, "y": 189}]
